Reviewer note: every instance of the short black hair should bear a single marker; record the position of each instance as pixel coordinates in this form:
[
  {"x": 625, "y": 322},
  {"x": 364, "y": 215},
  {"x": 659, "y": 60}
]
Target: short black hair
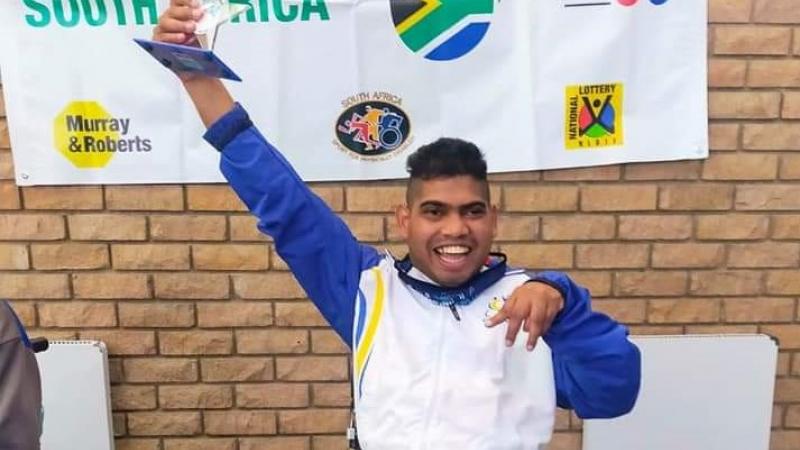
[{"x": 445, "y": 158}]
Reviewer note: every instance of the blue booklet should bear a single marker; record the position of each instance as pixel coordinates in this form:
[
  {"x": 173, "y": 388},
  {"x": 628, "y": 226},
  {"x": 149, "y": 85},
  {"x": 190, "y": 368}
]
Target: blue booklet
[{"x": 183, "y": 58}]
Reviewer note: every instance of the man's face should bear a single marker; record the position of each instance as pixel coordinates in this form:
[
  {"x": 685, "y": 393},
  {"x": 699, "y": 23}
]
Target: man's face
[{"x": 448, "y": 226}]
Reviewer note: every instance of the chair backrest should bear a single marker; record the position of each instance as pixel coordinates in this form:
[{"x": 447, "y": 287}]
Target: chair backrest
[
  {"x": 698, "y": 393},
  {"x": 75, "y": 396}
]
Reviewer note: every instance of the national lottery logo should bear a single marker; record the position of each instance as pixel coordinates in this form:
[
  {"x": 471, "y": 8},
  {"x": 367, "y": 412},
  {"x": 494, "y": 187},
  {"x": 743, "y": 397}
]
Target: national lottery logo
[
  {"x": 589, "y": 3},
  {"x": 372, "y": 125},
  {"x": 442, "y": 30},
  {"x": 89, "y": 137},
  {"x": 593, "y": 116}
]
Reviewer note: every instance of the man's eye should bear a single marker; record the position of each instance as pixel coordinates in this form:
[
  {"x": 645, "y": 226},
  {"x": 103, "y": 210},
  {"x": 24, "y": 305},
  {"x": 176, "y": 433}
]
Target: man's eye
[
  {"x": 435, "y": 212},
  {"x": 476, "y": 212}
]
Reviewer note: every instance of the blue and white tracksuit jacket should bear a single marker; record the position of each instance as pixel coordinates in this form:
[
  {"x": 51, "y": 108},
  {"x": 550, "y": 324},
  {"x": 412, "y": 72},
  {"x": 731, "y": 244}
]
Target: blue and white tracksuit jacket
[{"x": 423, "y": 380}]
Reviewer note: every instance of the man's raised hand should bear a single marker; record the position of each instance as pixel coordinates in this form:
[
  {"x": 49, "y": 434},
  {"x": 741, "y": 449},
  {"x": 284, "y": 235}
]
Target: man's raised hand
[
  {"x": 178, "y": 22},
  {"x": 532, "y": 307}
]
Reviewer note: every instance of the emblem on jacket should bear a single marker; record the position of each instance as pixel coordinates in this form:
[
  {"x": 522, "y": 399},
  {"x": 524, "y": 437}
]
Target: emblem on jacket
[{"x": 495, "y": 305}]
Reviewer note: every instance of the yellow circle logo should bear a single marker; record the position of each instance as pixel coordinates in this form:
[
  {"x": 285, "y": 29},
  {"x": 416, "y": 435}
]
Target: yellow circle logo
[{"x": 87, "y": 135}]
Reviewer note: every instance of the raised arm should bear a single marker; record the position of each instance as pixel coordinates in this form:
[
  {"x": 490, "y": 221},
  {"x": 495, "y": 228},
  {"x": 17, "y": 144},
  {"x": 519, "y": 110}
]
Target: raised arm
[{"x": 319, "y": 248}]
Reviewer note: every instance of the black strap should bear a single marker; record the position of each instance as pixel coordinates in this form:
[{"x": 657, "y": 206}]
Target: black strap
[
  {"x": 352, "y": 429},
  {"x": 22, "y": 334}
]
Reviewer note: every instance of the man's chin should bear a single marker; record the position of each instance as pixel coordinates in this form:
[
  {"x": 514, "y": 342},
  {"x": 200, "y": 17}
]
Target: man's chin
[{"x": 449, "y": 277}]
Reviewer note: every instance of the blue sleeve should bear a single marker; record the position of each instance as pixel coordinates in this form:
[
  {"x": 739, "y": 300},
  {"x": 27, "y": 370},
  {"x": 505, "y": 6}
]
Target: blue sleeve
[
  {"x": 316, "y": 244},
  {"x": 597, "y": 369}
]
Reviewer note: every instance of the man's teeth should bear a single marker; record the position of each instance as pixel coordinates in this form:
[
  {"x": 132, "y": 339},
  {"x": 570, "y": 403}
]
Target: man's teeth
[{"x": 453, "y": 250}]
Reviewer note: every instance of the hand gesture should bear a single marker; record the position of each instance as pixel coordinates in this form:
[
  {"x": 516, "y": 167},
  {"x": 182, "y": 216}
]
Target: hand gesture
[{"x": 532, "y": 306}]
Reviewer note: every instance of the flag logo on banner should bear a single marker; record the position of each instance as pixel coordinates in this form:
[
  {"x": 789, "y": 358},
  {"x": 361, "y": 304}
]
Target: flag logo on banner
[
  {"x": 442, "y": 30},
  {"x": 593, "y": 116},
  {"x": 88, "y": 136},
  {"x": 373, "y": 126}
]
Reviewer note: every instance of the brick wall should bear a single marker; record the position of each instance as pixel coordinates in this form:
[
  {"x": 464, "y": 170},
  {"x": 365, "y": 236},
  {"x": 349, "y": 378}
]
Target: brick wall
[{"x": 213, "y": 345}]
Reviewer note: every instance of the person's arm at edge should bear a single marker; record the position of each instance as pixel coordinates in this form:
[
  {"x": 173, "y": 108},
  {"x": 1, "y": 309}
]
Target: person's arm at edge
[
  {"x": 597, "y": 369},
  {"x": 20, "y": 386},
  {"x": 319, "y": 248}
]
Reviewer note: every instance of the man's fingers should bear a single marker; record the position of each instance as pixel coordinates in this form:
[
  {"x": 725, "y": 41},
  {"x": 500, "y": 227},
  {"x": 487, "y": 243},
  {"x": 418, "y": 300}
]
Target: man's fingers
[
  {"x": 534, "y": 326},
  {"x": 496, "y": 319},
  {"x": 534, "y": 332},
  {"x": 504, "y": 313},
  {"x": 511, "y": 332},
  {"x": 169, "y": 24},
  {"x": 178, "y": 23},
  {"x": 548, "y": 320},
  {"x": 172, "y": 38},
  {"x": 535, "y": 316},
  {"x": 182, "y": 13},
  {"x": 184, "y": 3}
]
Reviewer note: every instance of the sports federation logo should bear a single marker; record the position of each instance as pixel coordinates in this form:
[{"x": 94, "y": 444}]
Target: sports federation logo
[
  {"x": 442, "y": 30},
  {"x": 373, "y": 125},
  {"x": 593, "y": 116}
]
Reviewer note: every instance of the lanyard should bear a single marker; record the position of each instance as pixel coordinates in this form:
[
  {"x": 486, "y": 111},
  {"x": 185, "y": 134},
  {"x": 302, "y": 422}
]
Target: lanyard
[{"x": 22, "y": 334}]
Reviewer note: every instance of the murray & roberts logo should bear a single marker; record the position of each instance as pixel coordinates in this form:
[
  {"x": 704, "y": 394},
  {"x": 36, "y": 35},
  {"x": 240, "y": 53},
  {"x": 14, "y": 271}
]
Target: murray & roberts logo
[
  {"x": 442, "y": 30},
  {"x": 373, "y": 126},
  {"x": 88, "y": 136},
  {"x": 591, "y": 3},
  {"x": 593, "y": 116}
]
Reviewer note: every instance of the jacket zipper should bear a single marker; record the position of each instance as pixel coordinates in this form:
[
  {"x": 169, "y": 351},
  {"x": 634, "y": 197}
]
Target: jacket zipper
[{"x": 454, "y": 310}]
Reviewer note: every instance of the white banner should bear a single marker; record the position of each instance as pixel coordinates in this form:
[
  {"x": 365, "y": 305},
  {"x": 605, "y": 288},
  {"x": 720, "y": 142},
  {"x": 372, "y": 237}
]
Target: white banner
[{"x": 347, "y": 88}]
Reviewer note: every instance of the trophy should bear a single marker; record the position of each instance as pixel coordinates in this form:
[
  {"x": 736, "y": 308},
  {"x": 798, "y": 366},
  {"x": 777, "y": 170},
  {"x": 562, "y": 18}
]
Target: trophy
[{"x": 199, "y": 58}]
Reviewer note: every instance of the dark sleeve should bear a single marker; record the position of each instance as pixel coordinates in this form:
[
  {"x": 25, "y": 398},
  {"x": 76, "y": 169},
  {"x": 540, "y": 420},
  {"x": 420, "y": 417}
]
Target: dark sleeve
[
  {"x": 20, "y": 386},
  {"x": 316, "y": 244},
  {"x": 597, "y": 369}
]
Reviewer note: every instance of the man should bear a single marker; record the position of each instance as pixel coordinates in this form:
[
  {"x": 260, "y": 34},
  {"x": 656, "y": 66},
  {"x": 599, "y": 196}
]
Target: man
[
  {"x": 433, "y": 335},
  {"x": 20, "y": 387}
]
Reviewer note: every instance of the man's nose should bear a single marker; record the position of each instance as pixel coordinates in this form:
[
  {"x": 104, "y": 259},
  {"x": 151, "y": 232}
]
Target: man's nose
[{"x": 455, "y": 225}]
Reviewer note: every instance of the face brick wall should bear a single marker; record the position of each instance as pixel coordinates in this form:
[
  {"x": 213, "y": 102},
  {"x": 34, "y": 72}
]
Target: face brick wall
[{"x": 214, "y": 346}]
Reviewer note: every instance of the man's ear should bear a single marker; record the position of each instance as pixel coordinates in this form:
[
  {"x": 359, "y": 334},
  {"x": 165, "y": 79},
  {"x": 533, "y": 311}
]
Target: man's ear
[
  {"x": 402, "y": 214},
  {"x": 493, "y": 212}
]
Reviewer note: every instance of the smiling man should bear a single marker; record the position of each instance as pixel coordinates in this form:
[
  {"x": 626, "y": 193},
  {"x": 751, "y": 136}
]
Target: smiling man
[
  {"x": 436, "y": 362},
  {"x": 447, "y": 221}
]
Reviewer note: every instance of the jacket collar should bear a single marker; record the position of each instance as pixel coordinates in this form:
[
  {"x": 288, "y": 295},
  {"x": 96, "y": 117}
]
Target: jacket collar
[{"x": 464, "y": 294}]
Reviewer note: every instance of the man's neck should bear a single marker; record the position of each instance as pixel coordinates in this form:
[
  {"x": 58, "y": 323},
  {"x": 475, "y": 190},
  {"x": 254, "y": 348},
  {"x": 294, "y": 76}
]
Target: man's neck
[{"x": 458, "y": 295}]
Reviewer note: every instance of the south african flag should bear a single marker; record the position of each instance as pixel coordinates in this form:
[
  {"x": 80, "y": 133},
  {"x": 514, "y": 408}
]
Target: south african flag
[{"x": 442, "y": 30}]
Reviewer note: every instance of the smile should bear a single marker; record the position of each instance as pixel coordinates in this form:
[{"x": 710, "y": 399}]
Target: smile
[
  {"x": 452, "y": 257},
  {"x": 452, "y": 250}
]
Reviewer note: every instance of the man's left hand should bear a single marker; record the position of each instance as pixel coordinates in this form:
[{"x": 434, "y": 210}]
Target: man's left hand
[{"x": 532, "y": 306}]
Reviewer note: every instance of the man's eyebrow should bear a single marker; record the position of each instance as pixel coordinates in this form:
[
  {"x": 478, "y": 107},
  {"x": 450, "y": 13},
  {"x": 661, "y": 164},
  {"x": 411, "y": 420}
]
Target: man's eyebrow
[
  {"x": 438, "y": 204},
  {"x": 435, "y": 203},
  {"x": 480, "y": 203}
]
